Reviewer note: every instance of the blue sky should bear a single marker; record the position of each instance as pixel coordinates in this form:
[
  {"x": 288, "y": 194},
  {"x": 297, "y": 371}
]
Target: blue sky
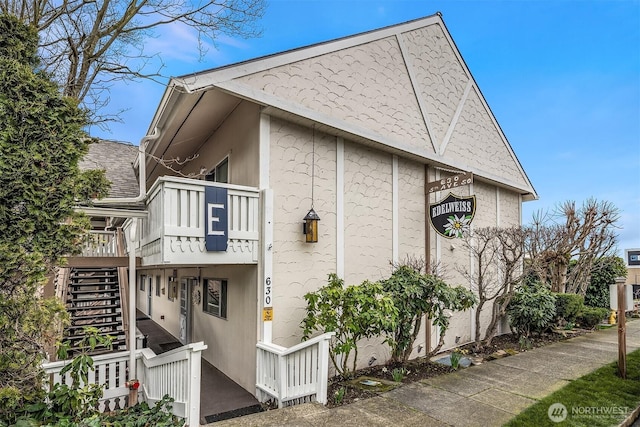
[{"x": 561, "y": 77}]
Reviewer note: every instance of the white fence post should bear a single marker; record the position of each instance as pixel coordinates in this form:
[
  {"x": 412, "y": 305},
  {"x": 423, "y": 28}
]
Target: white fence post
[
  {"x": 323, "y": 370},
  {"x": 193, "y": 418},
  {"x": 281, "y": 375}
]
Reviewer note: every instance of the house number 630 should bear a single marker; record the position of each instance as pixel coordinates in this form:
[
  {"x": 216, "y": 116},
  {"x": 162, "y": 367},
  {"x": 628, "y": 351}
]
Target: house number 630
[{"x": 267, "y": 291}]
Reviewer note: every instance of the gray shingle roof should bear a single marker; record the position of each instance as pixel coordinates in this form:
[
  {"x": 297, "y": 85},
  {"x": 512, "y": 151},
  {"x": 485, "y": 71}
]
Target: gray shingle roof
[{"x": 117, "y": 159}]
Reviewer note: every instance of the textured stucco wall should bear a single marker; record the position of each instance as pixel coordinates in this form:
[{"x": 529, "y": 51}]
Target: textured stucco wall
[
  {"x": 299, "y": 267},
  {"x": 486, "y": 211},
  {"x": 476, "y": 142},
  {"x": 441, "y": 76},
  {"x": 411, "y": 224},
  {"x": 510, "y": 213},
  {"x": 368, "y": 213},
  {"x": 377, "y": 86},
  {"x": 365, "y": 85}
]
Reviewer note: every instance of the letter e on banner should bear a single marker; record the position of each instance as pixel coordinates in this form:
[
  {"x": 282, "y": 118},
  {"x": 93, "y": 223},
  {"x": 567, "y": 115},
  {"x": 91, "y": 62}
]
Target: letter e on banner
[{"x": 216, "y": 226}]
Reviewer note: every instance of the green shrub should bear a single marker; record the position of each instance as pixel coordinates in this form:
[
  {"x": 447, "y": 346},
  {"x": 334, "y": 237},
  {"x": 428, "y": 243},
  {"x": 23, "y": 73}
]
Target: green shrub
[
  {"x": 415, "y": 295},
  {"x": 353, "y": 313},
  {"x": 590, "y": 317},
  {"x": 604, "y": 273},
  {"x": 531, "y": 309},
  {"x": 142, "y": 414},
  {"x": 568, "y": 307},
  {"x": 75, "y": 404}
]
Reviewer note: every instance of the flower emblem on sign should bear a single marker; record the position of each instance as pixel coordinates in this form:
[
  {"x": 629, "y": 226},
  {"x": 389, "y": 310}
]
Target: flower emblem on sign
[{"x": 457, "y": 226}]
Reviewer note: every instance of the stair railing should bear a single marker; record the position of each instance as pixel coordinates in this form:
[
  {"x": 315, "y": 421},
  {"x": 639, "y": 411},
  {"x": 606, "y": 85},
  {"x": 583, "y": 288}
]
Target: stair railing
[
  {"x": 294, "y": 375},
  {"x": 175, "y": 373}
]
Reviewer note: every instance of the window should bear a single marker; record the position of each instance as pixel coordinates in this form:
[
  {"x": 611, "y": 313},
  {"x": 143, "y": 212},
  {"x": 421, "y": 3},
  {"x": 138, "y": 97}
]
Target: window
[
  {"x": 220, "y": 173},
  {"x": 215, "y": 297},
  {"x": 158, "y": 282},
  {"x": 142, "y": 279}
]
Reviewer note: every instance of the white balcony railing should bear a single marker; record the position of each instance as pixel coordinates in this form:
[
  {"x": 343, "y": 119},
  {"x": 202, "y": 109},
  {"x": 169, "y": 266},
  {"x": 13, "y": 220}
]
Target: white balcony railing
[
  {"x": 175, "y": 229},
  {"x": 175, "y": 373},
  {"x": 294, "y": 375},
  {"x": 100, "y": 244}
]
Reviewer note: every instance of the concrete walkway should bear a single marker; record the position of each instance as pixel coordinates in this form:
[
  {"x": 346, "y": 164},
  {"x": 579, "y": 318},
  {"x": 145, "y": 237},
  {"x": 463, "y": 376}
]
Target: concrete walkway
[{"x": 486, "y": 395}]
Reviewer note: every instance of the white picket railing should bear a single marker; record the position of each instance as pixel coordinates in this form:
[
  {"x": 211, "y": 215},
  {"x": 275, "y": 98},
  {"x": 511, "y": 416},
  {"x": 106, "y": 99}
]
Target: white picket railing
[
  {"x": 110, "y": 370},
  {"x": 100, "y": 244},
  {"x": 174, "y": 232},
  {"x": 175, "y": 373},
  {"x": 293, "y": 375}
]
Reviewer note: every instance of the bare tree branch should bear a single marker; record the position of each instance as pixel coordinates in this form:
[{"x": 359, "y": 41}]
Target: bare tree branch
[
  {"x": 88, "y": 45},
  {"x": 498, "y": 255},
  {"x": 571, "y": 237}
]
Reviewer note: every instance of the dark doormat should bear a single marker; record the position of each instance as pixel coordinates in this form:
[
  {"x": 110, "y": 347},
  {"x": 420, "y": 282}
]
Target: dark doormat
[{"x": 254, "y": 409}]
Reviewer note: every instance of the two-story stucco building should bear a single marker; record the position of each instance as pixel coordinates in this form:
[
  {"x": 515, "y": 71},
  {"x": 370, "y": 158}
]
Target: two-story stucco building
[{"x": 356, "y": 128}]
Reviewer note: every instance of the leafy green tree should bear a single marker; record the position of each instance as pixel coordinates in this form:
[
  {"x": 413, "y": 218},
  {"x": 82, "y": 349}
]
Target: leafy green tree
[
  {"x": 41, "y": 142},
  {"x": 604, "y": 273},
  {"x": 354, "y": 312},
  {"x": 415, "y": 294}
]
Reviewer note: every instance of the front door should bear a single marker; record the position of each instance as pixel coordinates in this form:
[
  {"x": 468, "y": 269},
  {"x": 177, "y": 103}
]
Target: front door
[{"x": 185, "y": 311}]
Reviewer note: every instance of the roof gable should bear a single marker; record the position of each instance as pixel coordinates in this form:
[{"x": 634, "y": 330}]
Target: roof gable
[
  {"x": 404, "y": 87},
  {"x": 365, "y": 86}
]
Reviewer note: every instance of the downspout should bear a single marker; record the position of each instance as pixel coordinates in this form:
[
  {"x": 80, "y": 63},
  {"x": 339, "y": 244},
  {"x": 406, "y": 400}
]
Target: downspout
[
  {"x": 132, "y": 235},
  {"x": 142, "y": 175}
]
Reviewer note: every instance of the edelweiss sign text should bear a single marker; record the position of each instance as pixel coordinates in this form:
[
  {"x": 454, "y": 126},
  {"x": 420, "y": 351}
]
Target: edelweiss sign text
[{"x": 452, "y": 216}]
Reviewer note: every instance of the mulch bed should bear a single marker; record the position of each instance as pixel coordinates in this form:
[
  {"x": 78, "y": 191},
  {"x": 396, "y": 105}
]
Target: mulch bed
[{"x": 423, "y": 368}]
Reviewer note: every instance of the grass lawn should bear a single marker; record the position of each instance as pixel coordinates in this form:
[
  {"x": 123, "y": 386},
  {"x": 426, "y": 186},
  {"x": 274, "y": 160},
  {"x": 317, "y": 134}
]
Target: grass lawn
[{"x": 600, "y": 398}]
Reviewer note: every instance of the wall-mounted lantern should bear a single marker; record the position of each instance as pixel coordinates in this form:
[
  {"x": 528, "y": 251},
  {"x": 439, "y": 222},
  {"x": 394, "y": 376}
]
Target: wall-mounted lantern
[{"x": 310, "y": 226}]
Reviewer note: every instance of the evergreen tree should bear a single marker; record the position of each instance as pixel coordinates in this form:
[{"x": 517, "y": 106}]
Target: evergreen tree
[
  {"x": 605, "y": 272},
  {"x": 41, "y": 142}
]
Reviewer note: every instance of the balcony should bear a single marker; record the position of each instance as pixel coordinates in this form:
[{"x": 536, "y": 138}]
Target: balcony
[{"x": 178, "y": 224}]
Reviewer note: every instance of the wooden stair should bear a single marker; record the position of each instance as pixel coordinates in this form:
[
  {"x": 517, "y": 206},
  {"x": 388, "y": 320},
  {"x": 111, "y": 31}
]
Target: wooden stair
[{"x": 94, "y": 300}]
